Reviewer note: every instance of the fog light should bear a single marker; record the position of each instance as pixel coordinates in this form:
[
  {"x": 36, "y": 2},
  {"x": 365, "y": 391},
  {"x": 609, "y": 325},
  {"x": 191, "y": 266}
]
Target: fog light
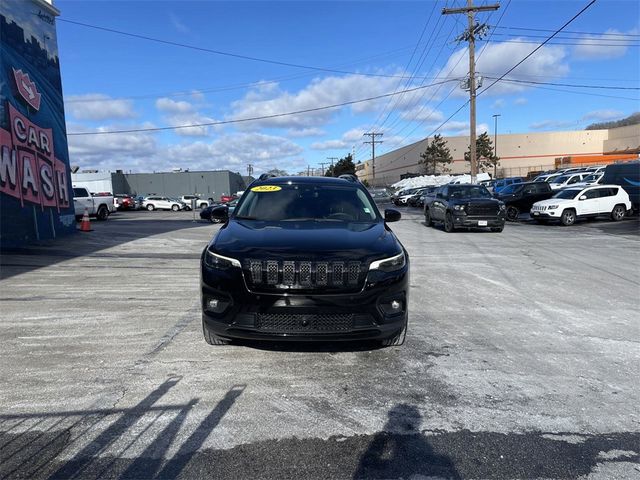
[
  {"x": 395, "y": 305},
  {"x": 216, "y": 305}
]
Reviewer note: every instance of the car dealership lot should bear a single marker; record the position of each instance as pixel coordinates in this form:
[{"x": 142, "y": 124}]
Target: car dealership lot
[{"x": 521, "y": 360}]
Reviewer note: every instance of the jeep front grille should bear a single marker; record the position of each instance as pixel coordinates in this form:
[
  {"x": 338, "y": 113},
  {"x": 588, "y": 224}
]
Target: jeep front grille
[
  {"x": 284, "y": 323},
  {"x": 303, "y": 274}
]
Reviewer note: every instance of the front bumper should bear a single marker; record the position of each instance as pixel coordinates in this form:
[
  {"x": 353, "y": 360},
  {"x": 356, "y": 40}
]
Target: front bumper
[
  {"x": 364, "y": 315},
  {"x": 478, "y": 221},
  {"x": 546, "y": 213}
]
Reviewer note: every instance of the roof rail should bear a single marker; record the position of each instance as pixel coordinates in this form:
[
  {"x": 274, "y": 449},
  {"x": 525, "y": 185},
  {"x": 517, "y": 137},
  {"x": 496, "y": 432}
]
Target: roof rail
[
  {"x": 264, "y": 176},
  {"x": 348, "y": 176}
]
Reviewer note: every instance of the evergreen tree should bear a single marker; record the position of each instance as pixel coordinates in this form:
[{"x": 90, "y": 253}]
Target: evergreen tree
[
  {"x": 485, "y": 157},
  {"x": 342, "y": 166},
  {"x": 436, "y": 153}
]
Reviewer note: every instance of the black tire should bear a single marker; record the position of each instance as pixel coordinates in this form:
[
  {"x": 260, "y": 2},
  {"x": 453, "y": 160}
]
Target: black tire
[
  {"x": 568, "y": 217},
  {"x": 618, "y": 213},
  {"x": 203, "y": 206},
  {"x": 151, "y": 208},
  {"x": 211, "y": 219},
  {"x": 448, "y": 223},
  {"x": 103, "y": 213},
  {"x": 512, "y": 213},
  {"x": 427, "y": 218},
  {"x": 213, "y": 339},
  {"x": 175, "y": 208},
  {"x": 396, "y": 339}
]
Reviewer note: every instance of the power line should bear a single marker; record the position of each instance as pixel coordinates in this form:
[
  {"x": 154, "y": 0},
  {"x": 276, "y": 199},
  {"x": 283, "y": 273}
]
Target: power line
[
  {"x": 585, "y": 42},
  {"x": 227, "y": 54},
  {"x": 573, "y": 85},
  {"x": 263, "y": 117},
  {"x": 577, "y": 92},
  {"x": 603, "y": 34},
  {"x": 566, "y": 38},
  {"x": 538, "y": 47}
]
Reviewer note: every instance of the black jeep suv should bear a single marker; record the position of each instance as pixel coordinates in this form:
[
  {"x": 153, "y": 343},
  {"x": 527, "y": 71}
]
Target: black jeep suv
[
  {"x": 464, "y": 205},
  {"x": 305, "y": 258},
  {"x": 520, "y": 197}
]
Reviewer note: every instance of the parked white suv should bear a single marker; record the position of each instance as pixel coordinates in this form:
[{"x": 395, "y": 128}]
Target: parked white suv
[
  {"x": 162, "y": 203},
  {"x": 200, "y": 202},
  {"x": 572, "y": 203}
]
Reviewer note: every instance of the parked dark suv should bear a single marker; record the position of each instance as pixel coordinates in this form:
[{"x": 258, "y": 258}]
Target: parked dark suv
[
  {"x": 520, "y": 197},
  {"x": 464, "y": 205},
  {"x": 305, "y": 258}
]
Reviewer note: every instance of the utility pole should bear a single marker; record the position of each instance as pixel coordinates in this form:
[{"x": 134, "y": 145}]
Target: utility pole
[
  {"x": 308, "y": 169},
  {"x": 373, "y": 142},
  {"x": 249, "y": 169},
  {"x": 469, "y": 35},
  {"x": 495, "y": 144},
  {"x": 322, "y": 164}
]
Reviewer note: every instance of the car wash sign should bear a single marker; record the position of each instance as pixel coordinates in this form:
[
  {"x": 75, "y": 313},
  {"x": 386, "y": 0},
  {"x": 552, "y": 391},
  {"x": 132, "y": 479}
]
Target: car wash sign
[{"x": 29, "y": 169}]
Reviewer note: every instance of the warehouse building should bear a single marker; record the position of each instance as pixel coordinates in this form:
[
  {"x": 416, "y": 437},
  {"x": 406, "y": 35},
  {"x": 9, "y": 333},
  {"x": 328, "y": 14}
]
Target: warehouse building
[
  {"x": 206, "y": 184},
  {"x": 35, "y": 194},
  {"x": 519, "y": 153}
]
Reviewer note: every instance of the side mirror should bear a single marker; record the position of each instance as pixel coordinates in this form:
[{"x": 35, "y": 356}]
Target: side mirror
[
  {"x": 221, "y": 213},
  {"x": 391, "y": 215},
  {"x": 582, "y": 197}
]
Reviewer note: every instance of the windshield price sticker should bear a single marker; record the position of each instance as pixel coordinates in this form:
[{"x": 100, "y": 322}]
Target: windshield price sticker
[{"x": 266, "y": 188}]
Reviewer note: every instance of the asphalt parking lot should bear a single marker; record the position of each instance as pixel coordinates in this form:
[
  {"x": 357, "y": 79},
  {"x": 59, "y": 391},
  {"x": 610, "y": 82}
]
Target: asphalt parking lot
[{"x": 521, "y": 361}]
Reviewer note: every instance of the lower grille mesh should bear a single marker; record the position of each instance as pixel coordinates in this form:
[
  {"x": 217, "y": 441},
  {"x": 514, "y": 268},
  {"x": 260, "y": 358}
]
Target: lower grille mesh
[{"x": 284, "y": 323}]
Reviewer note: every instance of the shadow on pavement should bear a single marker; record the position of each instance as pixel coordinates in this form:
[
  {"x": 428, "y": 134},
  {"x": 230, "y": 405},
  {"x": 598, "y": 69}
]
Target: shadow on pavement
[
  {"x": 122, "y": 228},
  {"x": 35, "y": 445},
  {"x": 399, "y": 451}
]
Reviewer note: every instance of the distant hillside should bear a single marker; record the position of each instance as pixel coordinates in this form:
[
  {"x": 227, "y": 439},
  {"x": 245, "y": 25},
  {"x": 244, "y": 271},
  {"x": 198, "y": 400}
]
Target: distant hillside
[{"x": 632, "y": 119}]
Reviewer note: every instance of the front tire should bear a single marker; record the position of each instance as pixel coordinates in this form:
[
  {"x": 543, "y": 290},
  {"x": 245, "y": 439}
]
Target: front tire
[
  {"x": 427, "y": 218},
  {"x": 448, "y": 223},
  {"x": 512, "y": 213},
  {"x": 103, "y": 213},
  {"x": 618, "y": 213},
  {"x": 175, "y": 208},
  {"x": 151, "y": 208},
  {"x": 568, "y": 217}
]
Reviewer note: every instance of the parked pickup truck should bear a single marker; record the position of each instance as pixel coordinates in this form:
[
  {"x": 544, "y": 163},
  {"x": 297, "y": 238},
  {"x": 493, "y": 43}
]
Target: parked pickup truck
[
  {"x": 464, "y": 205},
  {"x": 99, "y": 206}
]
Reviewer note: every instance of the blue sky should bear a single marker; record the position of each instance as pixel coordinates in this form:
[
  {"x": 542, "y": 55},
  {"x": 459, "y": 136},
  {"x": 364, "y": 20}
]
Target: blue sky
[{"x": 118, "y": 82}]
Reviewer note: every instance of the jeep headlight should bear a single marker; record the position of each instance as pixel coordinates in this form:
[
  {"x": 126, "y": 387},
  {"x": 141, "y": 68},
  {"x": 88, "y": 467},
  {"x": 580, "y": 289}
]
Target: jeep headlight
[
  {"x": 390, "y": 264},
  {"x": 459, "y": 208},
  {"x": 219, "y": 262}
]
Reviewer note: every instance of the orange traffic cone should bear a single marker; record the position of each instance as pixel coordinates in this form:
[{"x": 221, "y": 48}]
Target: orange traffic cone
[{"x": 85, "y": 224}]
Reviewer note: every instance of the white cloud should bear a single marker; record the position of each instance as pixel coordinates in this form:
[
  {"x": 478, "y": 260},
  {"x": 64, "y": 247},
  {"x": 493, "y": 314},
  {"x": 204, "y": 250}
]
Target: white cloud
[
  {"x": 178, "y": 24},
  {"x": 601, "y": 115},
  {"x": 422, "y": 113},
  {"x": 268, "y": 99},
  {"x": 141, "y": 152},
  {"x": 181, "y": 113},
  {"x": 128, "y": 151},
  {"x": 550, "y": 125},
  {"x": 496, "y": 58},
  {"x": 168, "y": 105},
  {"x": 498, "y": 104},
  {"x": 96, "y": 106},
  {"x": 520, "y": 101},
  {"x": 602, "y": 47},
  {"x": 305, "y": 132}
]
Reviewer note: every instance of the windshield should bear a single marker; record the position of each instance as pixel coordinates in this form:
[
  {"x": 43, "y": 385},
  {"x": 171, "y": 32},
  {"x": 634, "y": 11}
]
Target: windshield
[
  {"x": 570, "y": 193},
  {"x": 510, "y": 189},
  {"x": 560, "y": 179},
  {"x": 594, "y": 177},
  {"x": 307, "y": 202},
  {"x": 469, "y": 191}
]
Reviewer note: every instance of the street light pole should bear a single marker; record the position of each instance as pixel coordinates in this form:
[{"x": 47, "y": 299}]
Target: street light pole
[{"x": 495, "y": 143}]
